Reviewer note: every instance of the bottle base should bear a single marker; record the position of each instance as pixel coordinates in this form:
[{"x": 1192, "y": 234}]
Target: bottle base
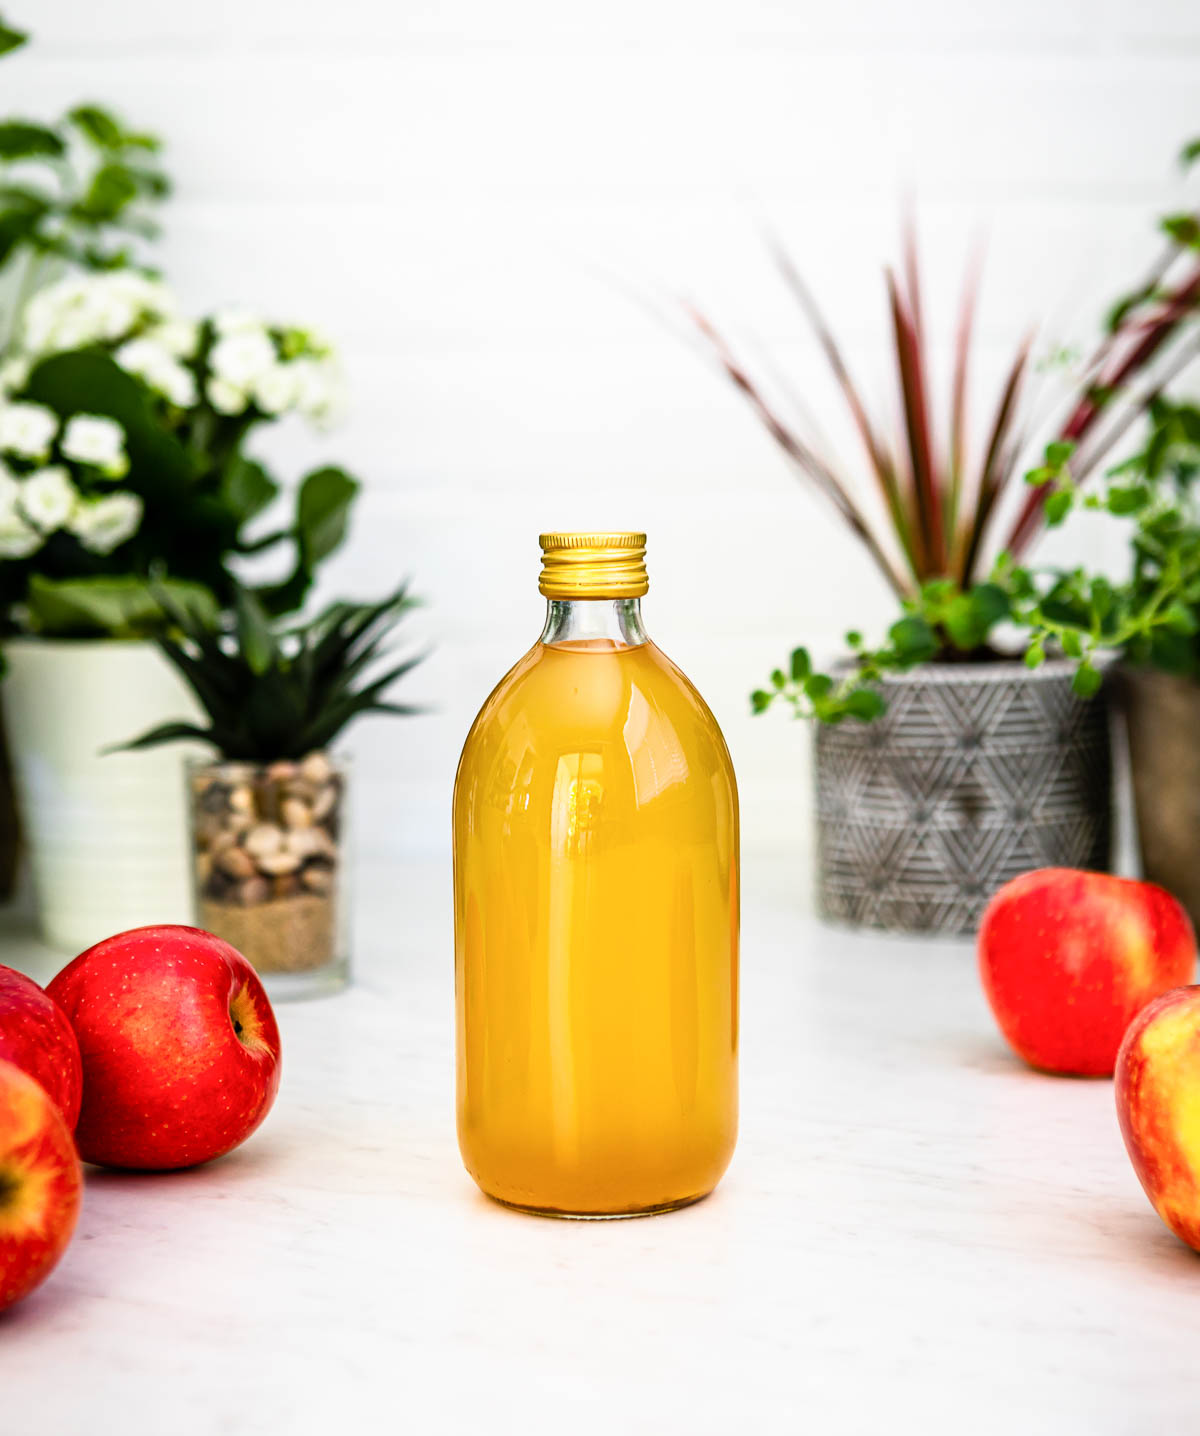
[{"x": 658, "y": 1209}]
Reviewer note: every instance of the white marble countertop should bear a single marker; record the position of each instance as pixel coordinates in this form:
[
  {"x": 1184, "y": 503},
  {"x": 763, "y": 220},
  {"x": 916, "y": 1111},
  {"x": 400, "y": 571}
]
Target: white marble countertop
[{"x": 916, "y": 1234}]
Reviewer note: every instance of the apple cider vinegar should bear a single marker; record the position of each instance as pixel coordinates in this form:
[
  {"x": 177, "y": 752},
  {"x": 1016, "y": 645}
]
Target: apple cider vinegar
[{"x": 596, "y": 912}]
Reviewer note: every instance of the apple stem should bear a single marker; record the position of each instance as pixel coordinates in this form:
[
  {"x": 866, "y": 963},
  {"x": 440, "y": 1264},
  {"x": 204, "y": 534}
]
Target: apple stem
[{"x": 10, "y": 1185}]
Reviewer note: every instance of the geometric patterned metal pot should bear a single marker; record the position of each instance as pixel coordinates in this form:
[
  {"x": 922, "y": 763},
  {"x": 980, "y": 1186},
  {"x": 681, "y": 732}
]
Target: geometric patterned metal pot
[{"x": 975, "y": 773}]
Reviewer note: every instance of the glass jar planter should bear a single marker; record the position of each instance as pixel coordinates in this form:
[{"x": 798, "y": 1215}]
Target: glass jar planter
[{"x": 269, "y": 867}]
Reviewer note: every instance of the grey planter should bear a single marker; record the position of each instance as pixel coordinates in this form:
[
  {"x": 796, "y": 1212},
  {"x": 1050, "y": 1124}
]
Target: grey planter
[
  {"x": 974, "y": 775},
  {"x": 1162, "y": 714}
]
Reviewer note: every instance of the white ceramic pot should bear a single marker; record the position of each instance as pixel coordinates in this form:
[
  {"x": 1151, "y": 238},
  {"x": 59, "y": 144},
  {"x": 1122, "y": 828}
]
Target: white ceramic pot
[{"x": 106, "y": 832}]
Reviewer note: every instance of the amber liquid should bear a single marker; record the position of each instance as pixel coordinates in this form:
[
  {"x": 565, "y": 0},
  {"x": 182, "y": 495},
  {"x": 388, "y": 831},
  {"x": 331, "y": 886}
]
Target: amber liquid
[{"x": 596, "y": 936}]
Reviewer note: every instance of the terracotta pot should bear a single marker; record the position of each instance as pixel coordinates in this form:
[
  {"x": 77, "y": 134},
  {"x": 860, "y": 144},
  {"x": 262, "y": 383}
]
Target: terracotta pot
[{"x": 1163, "y": 719}]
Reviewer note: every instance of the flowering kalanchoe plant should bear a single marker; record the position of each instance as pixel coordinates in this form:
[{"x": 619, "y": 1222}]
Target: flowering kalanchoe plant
[
  {"x": 123, "y": 426},
  {"x": 234, "y": 364}
]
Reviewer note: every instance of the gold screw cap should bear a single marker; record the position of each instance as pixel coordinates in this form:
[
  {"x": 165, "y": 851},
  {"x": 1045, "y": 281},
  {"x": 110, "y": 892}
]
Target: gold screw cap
[{"x": 593, "y": 565}]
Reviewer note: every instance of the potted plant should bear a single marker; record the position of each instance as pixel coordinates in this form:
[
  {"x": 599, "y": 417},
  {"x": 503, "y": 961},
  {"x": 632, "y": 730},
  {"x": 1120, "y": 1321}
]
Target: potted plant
[
  {"x": 944, "y": 765},
  {"x": 81, "y": 193},
  {"x": 125, "y": 426},
  {"x": 125, "y": 477},
  {"x": 268, "y": 826}
]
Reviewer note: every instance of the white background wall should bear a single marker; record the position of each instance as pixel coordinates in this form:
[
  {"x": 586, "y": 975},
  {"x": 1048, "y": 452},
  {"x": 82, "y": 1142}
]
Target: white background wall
[{"x": 448, "y": 189}]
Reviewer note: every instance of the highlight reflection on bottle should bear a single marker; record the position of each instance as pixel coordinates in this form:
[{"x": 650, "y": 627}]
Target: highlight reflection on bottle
[{"x": 596, "y": 912}]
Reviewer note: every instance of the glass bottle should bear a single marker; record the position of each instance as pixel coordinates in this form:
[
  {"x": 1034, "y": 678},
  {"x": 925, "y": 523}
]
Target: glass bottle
[{"x": 596, "y": 912}]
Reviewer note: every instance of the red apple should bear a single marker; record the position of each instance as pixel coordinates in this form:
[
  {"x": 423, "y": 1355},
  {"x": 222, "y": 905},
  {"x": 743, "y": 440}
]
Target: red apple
[
  {"x": 1158, "y": 1106},
  {"x": 35, "y": 1034},
  {"x": 1069, "y": 958},
  {"x": 40, "y": 1184},
  {"x": 179, "y": 1044}
]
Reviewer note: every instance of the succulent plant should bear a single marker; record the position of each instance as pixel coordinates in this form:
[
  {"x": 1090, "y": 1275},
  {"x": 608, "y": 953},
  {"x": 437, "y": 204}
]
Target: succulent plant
[{"x": 276, "y": 692}]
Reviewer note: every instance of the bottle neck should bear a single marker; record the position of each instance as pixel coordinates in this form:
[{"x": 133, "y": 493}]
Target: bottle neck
[{"x": 594, "y": 620}]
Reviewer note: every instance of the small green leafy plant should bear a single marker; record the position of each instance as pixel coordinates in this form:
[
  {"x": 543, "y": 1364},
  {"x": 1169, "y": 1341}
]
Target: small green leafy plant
[
  {"x": 273, "y": 691},
  {"x": 1152, "y": 617}
]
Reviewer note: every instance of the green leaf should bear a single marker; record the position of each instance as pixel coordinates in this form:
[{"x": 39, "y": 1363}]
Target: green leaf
[
  {"x": 247, "y": 487},
  {"x": 164, "y": 733},
  {"x": 1038, "y": 477},
  {"x": 817, "y": 685},
  {"x": 18, "y": 226},
  {"x": 1059, "y": 452},
  {"x": 1127, "y": 498},
  {"x": 1072, "y": 643},
  {"x": 22, "y": 140},
  {"x": 1190, "y": 153},
  {"x": 22, "y": 197},
  {"x": 1035, "y": 654},
  {"x": 112, "y": 187},
  {"x": 254, "y": 633},
  {"x": 1102, "y": 597},
  {"x": 760, "y": 700},
  {"x": 323, "y": 512},
  {"x": 801, "y": 665},
  {"x": 991, "y": 605},
  {"x": 854, "y": 638},
  {"x": 913, "y": 639},
  {"x": 1057, "y": 507},
  {"x": 1179, "y": 618},
  {"x": 1087, "y": 680},
  {"x": 1124, "y": 306},
  {"x": 150, "y": 182},
  {"x": 10, "y": 39},
  {"x": 865, "y": 704},
  {"x": 110, "y": 607},
  {"x": 961, "y": 623},
  {"x": 100, "y": 126},
  {"x": 1184, "y": 229},
  {"x": 778, "y": 681}
]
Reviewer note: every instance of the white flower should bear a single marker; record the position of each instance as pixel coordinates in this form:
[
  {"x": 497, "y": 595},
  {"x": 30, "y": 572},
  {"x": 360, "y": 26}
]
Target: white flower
[
  {"x": 17, "y": 538},
  {"x": 160, "y": 369},
  {"x": 240, "y": 358},
  {"x": 178, "y": 384},
  {"x": 14, "y": 374},
  {"x": 180, "y": 337},
  {"x": 101, "y": 525},
  {"x": 236, "y": 321},
  {"x": 92, "y": 309},
  {"x": 27, "y": 429},
  {"x": 48, "y": 498},
  {"x": 44, "y": 313},
  {"x": 143, "y": 357},
  {"x": 275, "y": 389},
  {"x": 91, "y": 439},
  {"x": 150, "y": 295},
  {"x": 319, "y": 390},
  {"x": 226, "y": 398}
]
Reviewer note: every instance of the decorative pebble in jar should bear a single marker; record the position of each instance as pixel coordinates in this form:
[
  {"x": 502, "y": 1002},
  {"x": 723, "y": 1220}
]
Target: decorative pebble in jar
[{"x": 269, "y": 867}]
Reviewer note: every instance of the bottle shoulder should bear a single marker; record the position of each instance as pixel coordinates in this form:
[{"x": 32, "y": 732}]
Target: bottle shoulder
[{"x": 610, "y": 700}]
